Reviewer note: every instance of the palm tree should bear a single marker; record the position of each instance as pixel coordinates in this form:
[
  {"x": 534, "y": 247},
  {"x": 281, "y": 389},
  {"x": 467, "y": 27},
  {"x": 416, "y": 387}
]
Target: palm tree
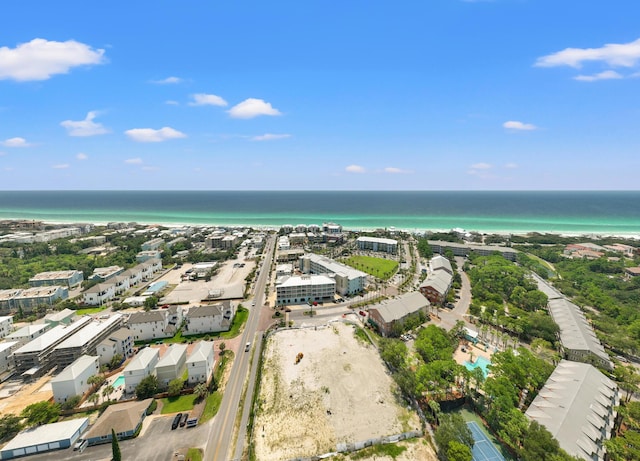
[
  {"x": 93, "y": 398},
  {"x": 200, "y": 391}
]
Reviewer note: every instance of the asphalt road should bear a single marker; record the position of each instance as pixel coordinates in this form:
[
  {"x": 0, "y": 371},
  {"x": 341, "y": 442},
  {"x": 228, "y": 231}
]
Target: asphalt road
[{"x": 220, "y": 439}]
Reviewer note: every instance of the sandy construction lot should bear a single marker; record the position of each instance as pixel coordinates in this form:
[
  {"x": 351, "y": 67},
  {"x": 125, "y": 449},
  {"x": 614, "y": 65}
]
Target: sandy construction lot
[{"x": 338, "y": 393}]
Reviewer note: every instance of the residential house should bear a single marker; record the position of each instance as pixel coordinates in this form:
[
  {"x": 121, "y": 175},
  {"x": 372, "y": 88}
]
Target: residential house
[
  {"x": 125, "y": 419},
  {"x": 145, "y": 256},
  {"x": 200, "y": 363},
  {"x": 28, "y": 333},
  {"x": 120, "y": 342},
  {"x": 150, "y": 267},
  {"x": 151, "y": 325},
  {"x": 72, "y": 380},
  {"x": 389, "y": 315},
  {"x": 134, "y": 275},
  {"x": 152, "y": 244},
  {"x": 121, "y": 283},
  {"x": 99, "y": 294},
  {"x": 142, "y": 365},
  {"x": 171, "y": 365},
  {"x": 209, "y": 318}
]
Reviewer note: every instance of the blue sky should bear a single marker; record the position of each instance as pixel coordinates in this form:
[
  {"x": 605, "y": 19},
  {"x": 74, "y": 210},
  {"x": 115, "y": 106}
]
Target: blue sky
[{"x": 289, "y": 95}]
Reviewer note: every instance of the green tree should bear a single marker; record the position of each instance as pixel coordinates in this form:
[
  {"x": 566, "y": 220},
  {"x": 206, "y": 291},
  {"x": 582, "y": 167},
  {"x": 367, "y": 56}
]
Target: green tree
[
  {"x": 115, "y": 361},
  {"x": 41, "y": 413},
  {"x": 150, "y": 303},
  {"x": 147, "y": 387},
  {"x": 175, "y": 386},
  {"x": 539, "y": 444},
  {"x": 459, "y": 451},
  {"x": 452, "y": 428},
  {"x": 96, "y": 380},
  {"x": 115, "y": 447},
  {"x": 200, "y": 391},
  {"x": 107, "y": 391},
  {"x": 223, "y": 347},
  {"x": 10, "y": 425},
  {"x": 394, "y": 352}
]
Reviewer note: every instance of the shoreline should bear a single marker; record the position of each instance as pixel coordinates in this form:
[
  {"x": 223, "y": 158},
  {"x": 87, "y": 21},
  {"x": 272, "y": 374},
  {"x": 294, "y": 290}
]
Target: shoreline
[{"x": 589, "y": 234}]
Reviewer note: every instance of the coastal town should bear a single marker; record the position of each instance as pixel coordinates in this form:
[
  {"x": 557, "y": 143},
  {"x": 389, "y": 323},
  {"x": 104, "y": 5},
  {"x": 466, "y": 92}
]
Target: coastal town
[{"x": 313, "y": 341}]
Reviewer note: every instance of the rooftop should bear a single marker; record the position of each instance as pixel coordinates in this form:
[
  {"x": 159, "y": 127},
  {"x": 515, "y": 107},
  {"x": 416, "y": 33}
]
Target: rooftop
[
  {"x": 52, "y": 336},
  {"x": 377, "y": 240},
  {"x": 401, "y": 306},
  {"x": 91, "y": 331},
  {"x": 298, "y": 280},
  {"x": 439, "y": 280},
  {"x": 144, "y": 317},
  {"x": 54, "y": 275},
  {"x": 142, "y": 359},
  {"x": 60, "y": 315},
  {"x": 576, "y": 406},
  {"x": 47, "y": 433},
  {"x": 37, "y": 292},
  {"x": 439, "y": 263},
  {"x": 123, "y": 417},
  {"x": 173, "y": 355},
  {"x": 28, "y": 330},
  {"x": 208, "y": 310},
  {"x": 200, "y": 352},
  {"x": 74, "y": 370},
  {"x": 334, "y": 267},
  {"x": 4, "y": 345}
]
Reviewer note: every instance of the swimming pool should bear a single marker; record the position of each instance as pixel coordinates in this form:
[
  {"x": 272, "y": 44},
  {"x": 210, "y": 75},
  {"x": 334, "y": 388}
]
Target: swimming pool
[
  {"x": 480, "y": 362},
  {"x": 119, "y": 382}
]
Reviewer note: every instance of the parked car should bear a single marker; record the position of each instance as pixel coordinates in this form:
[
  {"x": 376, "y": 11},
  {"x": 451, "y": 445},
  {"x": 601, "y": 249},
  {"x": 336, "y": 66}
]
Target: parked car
[
  {"x": 363, "y": 313},
  {"x": 176, "y": 421},
  {"x": 184, "y": 419},
  {"x": 193, "y": 422}
]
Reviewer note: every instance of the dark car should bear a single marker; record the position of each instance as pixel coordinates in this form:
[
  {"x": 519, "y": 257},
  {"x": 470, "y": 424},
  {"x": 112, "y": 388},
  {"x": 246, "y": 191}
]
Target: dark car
[
  {"x": 184, "y": 419},
  {"x": 363, "y": 313},
  {"x": 176, "y": 421}
]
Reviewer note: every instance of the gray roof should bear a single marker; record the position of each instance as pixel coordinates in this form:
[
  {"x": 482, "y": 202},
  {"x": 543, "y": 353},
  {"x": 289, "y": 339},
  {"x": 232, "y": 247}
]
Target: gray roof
[
  {"x": 60, "y": 315},
  {"x": 334, "y": 267},
  {"x": 546, "y": 287},
  {"x": 122, "y": 334},
  {"x": 91, "y": 331},
  {"x": 123, "y": 417},
  {"x": 209, "y": 310},
  {"x": 72, "y": 371},
  {"x": 439, "y": 280},
  {"x": 97, "y": 288},
  {"x": 47, "y": 433},
  {"x": 473, "y": 247},
  {"x": 173, "y": 355},
  {"x": 575, "y": 332},
  {"x": 27, "y": 330},
  {"x": 576, "y": 405},
  {"x": 401, "y": 306},
  {"x": 200, "y": 352},
  {"x": 144, "y": 317},
  {"x": 440, "y": 263}
]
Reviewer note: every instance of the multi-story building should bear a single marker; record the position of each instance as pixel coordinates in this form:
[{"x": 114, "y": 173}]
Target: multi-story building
[
  {"x": 6, "y": 349},
  {"x": 436, "y": 286},
  {"x": 142, "y": 365},
  {"x": 331, "y": 228},
  {"x": 465, "y": 249},
  {"x": 200, "y": 363},
  {"x": 100, "y": 293},
  {"x": 144, "y": 256},
  {"x": 85, "y": 341},
  {"x": 577, "y": 405},
  {"x": 438, "y": 263},
  {"x": 150, "y": 325},
  {"x": 31, "y": 298},
  {"x": 152, "y": 244},
  {"x": 120, "y": 342},
  {"x": 63, "y": 278},
  {"x": 28, "y": 333},
  {"x": 7, "y": 297},
  {"x": 6, "y": 325},
  {"x": 72, "y": 380},
  {"x": 63, "y": 317},
  {"x": 348, "y": 280},
  {"x": 302, "y": 289},
  {"x": 209, "y": 318},
  {"x": 378, "y": 244},
  {"x": 121, "y": 283},
  {"x": 102, "y": 274},
  {"x": 171, "y": 365},
  {"x": 37, "y": 356},
  {"x": 149, "y": 267},
  {"x": 389, "y": 315}
]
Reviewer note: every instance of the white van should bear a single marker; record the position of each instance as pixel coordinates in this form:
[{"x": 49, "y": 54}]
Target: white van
[
  {"x": 247, "y": 347},
  {"x": 80, "y": 445}
]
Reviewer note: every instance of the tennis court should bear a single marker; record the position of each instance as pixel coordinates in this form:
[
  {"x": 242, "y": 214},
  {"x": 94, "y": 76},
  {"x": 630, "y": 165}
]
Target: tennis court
[{"x": 483, "y": 449}]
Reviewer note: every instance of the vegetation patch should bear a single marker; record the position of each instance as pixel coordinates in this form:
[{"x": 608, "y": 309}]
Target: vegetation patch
[
  {"x": 194, "y": 454},
  {"x": 178, "y": 404},
  {"x": 211, "y": 406},
  {"x": 386, "y": 449},
  {"x": 378, "y": 267},
  {"x": 90, "y": 310}
]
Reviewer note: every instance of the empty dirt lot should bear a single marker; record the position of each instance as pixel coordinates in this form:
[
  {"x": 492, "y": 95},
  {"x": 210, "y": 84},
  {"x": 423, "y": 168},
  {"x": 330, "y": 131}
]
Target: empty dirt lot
[{"x": 338, "y": 393}]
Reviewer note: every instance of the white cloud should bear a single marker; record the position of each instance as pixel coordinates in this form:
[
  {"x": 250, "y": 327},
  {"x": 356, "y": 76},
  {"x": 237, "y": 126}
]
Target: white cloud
[
  {"x": 203, "y": 99},
  {"x": 511, "y": 166},
  {"x": 354, "y": 169},
  {"x": 519, "y": 126},
  {"x": 151, "y": 135},
  {"x": 252, "y": 107},
  {"x": 393, "y": 170},
  {"x": 15, "y": 142},
  {"x": 605, "y": 75},
  {"x": 60, "y": 166},
  {"x": 168, "y": 81},
  {"x": 270, "y": 137},
  {"x": 81, "y": 156},
  {"x": 40, "y": 59},
  {"x": 133, "y": 161},
  {"x": 481, "y": 166},
  {"x": 171, "y": 102},
  {"x": 86, "y": 127},
  {"x": 613, "y": 54}
]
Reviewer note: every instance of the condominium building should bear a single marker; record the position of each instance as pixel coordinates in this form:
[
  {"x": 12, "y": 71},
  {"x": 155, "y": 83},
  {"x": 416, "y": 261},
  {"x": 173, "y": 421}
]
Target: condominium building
[
  {"x": 171, "y": 365},
  {"x": 302, "y": 289},
  {"x": 200, "y": 362},
  {"x": 378, "y": 244},
  {"x": 28, "y": 333},
  {"x": 65, "y": 278},
  {"x": 348, "y": 280},
  {"x": 31, "y": 298},
  {"x": 152, "y": 244},
  {"x": 209, "y": 318},
  {"x": 120, "y": 342},
  {"x": 72, "y": 381},
  {"x": 464, "y": 249},
  {"x": 102, "y": 274},
  {"x": 6, "y": 325},
  {"x": 100, "y": 293},
  {"x": 392, "y": 313},
  {"x": 142, "y": 365}
]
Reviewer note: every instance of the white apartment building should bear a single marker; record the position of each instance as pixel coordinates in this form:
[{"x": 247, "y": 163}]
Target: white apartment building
[
  {"x": 302, "y": 289},
  {"x": 121, "y": 284},
  {"x": 6, "y": 325},
  {"x": 143, "y": 364},
  {"x": 150, "y": 267},
  {"x": 73, "y": 379},
  {"x": 378, "y": 244},
  {"x": 119, "y": 342},
  {"x": 28, "y": 333},
  {"x": 171, "y": 365},
  {"x": 348, "y": 280},
  {"x": 102, "y": 274},
  {"x": 99, "y": 294},
  {"x": 148, "y": 255},
  {"x": 152, "y": 244},
  {"x": 200, "y": 363},
  {"x": 147, "y": 326},
  {"x": 134, "y": 275},
  {"x": 6, "y": 349},
  {"x": 209, "y": 318}
]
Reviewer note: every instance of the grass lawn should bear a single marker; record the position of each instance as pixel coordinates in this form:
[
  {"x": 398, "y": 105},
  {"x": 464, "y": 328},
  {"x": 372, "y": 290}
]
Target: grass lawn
[
  {"x": 378, "y": 267},
  {"x": 194, "y": 454},
  {"x": 179, "y": 403},
  {"x": 211, "y": 406},
  {"x": 90, "y": 310}
]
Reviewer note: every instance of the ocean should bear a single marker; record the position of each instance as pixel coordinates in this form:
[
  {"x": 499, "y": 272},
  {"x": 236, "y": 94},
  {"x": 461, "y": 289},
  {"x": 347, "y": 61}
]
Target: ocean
[{"x": 583, "y": 212}]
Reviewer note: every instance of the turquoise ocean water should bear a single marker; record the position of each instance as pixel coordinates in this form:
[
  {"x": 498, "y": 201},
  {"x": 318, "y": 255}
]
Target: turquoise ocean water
[{"x": 566, "y": 212}]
